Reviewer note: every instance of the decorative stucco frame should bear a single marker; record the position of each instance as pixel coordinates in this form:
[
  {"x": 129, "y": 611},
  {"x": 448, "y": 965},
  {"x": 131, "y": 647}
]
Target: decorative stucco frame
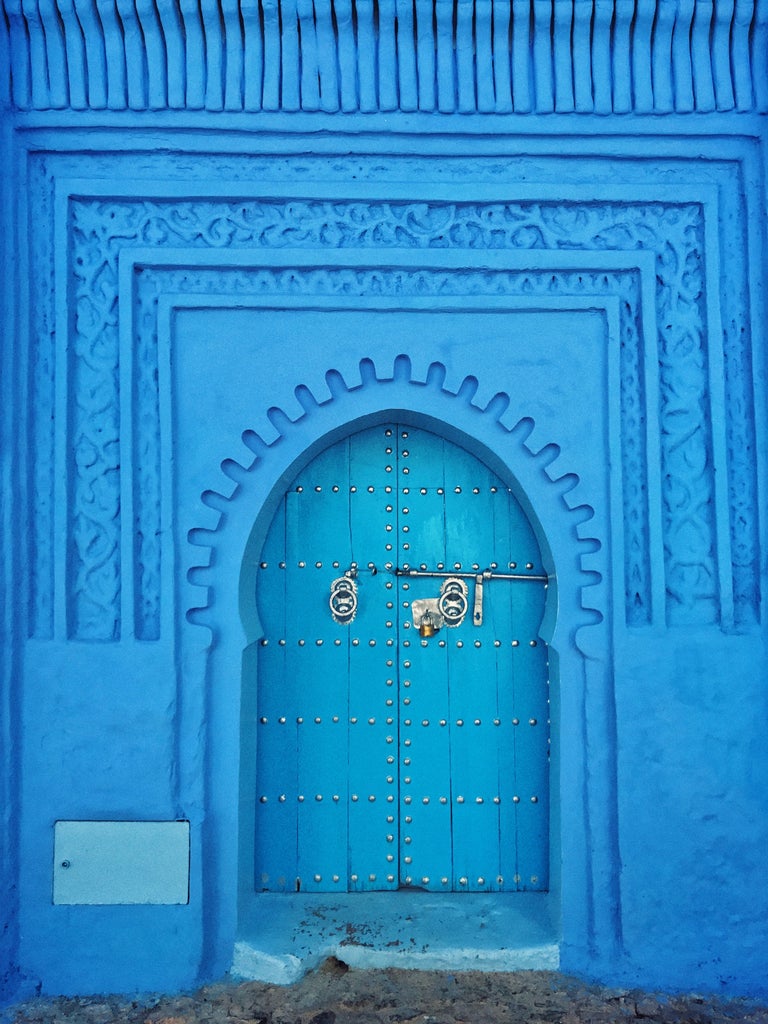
[{"x": 111, "y": 292}]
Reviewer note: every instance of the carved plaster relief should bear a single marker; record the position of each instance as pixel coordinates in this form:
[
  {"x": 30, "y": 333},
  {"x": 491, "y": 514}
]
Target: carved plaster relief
[
  {"x": 673, "y": 232},
  {"x": 104, "y": 234}
]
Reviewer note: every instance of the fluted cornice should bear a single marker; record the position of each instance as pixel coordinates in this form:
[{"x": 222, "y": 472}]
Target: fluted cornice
[{"x": 443, "y": 56}]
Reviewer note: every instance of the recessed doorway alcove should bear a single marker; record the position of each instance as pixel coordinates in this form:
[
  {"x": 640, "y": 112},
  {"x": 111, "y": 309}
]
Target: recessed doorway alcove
[
  {"x": 519, "y": 928},
  {"x": 337, "y": 769}
]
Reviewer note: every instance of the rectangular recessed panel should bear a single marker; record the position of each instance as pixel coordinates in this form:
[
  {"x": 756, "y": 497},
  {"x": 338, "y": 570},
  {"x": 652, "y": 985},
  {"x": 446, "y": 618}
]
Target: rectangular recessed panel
[{"x": 129, "y": 862}]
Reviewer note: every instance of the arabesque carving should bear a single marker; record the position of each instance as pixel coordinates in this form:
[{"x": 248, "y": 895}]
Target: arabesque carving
[{"x": 673, "y": 232}]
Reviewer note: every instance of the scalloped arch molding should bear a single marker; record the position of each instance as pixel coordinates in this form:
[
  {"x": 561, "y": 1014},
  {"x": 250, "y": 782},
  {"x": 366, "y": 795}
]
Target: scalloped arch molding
[
  {"x": 200, "y": 245},
  {"x": 547, "y": 489}
]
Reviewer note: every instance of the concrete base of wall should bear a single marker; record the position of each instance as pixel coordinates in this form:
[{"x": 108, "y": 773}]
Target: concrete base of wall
[{"x": 283, "y": 936}]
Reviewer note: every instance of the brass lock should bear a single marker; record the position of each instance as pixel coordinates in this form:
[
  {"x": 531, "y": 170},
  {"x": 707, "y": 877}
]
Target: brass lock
[{"x": 427, "y": 626}]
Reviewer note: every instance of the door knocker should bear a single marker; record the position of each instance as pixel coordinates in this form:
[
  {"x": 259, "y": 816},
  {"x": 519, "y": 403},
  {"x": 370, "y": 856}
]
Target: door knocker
[
  {"x": 343, "y": 600},
  {"x": 452, "y": 603}
]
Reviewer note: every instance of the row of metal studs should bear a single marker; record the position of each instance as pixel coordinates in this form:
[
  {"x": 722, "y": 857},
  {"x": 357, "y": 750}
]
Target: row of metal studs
[
  {"x": 440, "y": 566},
  {"x": 391, "y": 643},
  {"x": 283, "y": 720},
  {"x": 335, "y": 489},
  {"x": 425, "y": 880},
  {"x": 354, "y": 798}
]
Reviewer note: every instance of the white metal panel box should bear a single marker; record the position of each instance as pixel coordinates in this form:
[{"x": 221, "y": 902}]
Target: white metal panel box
[{"x": 101, "y": 862}]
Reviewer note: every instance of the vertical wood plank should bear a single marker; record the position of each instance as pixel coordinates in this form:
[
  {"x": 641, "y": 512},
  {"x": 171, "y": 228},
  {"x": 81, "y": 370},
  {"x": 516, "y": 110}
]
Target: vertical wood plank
[
  {"x": 276, "y": 807},
  {"x": 316, "y": 536},
  {"x": 373, "y": 805}
]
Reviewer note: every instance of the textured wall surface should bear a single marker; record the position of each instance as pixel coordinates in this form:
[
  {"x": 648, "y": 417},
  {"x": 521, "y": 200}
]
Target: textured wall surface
[
  {"x": 490, "y": 56},
  {"x": 189, "y": 264}
]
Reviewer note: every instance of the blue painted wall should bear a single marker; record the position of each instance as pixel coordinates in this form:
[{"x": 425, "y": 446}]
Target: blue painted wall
[{"x": 216, "y": 266}]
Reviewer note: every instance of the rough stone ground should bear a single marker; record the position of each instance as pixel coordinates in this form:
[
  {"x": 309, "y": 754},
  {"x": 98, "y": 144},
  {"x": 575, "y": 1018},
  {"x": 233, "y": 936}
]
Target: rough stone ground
[{"x": 335, "y": 994}]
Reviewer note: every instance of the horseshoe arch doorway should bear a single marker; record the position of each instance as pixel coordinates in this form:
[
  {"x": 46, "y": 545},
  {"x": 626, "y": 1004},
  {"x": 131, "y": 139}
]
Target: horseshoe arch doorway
[{"x": 394, "y": 753}]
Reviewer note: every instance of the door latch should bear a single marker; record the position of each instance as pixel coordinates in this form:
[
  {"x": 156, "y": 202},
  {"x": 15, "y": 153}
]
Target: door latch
[{"x": 477, "y": 609}]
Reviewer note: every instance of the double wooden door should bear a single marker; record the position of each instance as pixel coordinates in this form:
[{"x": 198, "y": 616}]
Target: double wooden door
[{"x": 387, "y": 758}]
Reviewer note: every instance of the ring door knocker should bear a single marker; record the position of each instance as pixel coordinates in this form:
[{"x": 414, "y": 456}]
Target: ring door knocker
[
  {"x": 453, "y": 601},
  {"x": 343, "y": 600}
]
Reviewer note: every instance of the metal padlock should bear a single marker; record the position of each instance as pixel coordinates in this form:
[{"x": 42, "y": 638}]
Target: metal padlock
[{"x": 427, "y": 625}]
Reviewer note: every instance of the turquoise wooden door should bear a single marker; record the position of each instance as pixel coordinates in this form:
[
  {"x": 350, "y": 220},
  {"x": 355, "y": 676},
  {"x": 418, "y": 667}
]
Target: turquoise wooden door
[{"x": 387, "y": 759}]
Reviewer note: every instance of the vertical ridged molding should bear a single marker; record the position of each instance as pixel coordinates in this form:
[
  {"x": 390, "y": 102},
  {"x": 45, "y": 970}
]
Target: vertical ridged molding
[
  {"x": 622, "y": 56},
  {"x": 117, "y": 93},
  {"x": 135, "y": 55},
  {"x": 581, "y": 57},
  {"x": 406, "y": 50},
  {"x": 682, "y": 66},
  {"x": 522, "y": 74},
  {"x": 721, "y": 54},
  {"x": 95, "y": 56},
  {"x": 759, "y": 51},
  {"x": 456, "y": 56},
  {"x": 542, "y": 56},
  {"x": 663, "y": 95},
  {"x": 75, "y": 56},
  {"x": 425, "y": 55},
  {"x": 701, "y": 56},
  {"x": 601, "y": 57},
  {"x": 58, "y": 86},
  {"x": 563, "y": 46}
]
